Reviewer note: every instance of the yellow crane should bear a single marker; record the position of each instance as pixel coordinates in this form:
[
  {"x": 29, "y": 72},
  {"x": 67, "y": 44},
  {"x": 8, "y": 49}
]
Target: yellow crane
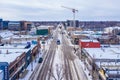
[{"x": 74, "y": 11}]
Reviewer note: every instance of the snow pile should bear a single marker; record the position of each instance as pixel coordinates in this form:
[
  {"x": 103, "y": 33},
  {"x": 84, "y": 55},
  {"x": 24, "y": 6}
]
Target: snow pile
[{"x": 83, "y": 70}]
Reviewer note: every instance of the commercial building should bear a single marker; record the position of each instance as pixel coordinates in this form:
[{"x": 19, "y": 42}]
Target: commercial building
[
  {"x": 5, "y": 24},
  {"x": 112, "y": 30},
  {"x": 71, "y": 23},
  {"x": 14, "y": 25},
  {"x": 103, "y": 63},
  {"x": 108, "y": 39},
  {"x": 1, "y": 24},
  {"x": 15, "y": 58},
  {"x": 42, "y": 30},
  {"x": 26, "y": 25},
  {"x": 76, "y": 35}
]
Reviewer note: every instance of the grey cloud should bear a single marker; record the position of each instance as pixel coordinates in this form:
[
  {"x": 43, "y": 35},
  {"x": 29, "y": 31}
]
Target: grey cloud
[{"x": 51, "y": 9}]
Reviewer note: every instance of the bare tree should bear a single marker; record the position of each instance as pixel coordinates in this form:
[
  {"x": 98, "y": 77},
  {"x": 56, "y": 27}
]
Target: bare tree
[{"x": 59, "y": 72}]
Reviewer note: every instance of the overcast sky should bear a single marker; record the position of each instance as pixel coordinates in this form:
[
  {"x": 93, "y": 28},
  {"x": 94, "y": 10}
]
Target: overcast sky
[{"x": 45, "y": 10}]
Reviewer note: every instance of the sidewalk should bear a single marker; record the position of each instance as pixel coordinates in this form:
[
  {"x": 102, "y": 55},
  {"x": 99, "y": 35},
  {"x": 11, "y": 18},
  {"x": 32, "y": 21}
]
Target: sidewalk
[
  {"x": 31, "y": 67},
  {"x": 28, "y": 72}
]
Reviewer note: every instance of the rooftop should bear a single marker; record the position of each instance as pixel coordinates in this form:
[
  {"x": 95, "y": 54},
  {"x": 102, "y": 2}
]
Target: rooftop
[
  {"x": 12, "y": 46},
  {"x": 9, "y": 55},
  {"x": 9, "y": 52},
  {"x": 104, "y": 53},
  {"x": 116, "y": 27},
  {"x": 43, "y": 27},
  {"x": 88, "y": 40},
  {"x": 107, "y": 58}
]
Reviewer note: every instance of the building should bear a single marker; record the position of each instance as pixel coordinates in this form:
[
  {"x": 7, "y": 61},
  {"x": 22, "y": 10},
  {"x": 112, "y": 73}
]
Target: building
[
  {"x": 4, "y": 71},
  {"x": 47, "y": 23},
  {"x": 5, "y": 24},
  {"x": 76, "y": 35},
  {"x": 14, "y": 25},
  {"x": 1, "y": 24},
  {"x": 103, "y": 63},
  {"x": 69, "y": 29},
  {"x": 112, "y": 30},
  {"x": 71, "y": 23},
  {"x": 42, "y": 31},
  {"x": 16, "y": 58},
  {"x": 108, "y": 39}
]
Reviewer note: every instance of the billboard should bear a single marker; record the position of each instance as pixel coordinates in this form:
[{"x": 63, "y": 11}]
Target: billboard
[{"x": 4, "y": 68}]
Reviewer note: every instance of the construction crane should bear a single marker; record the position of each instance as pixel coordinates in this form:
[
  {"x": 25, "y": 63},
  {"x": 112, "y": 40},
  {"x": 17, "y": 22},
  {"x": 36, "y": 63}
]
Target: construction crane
[{"x": 74, "y": 11}]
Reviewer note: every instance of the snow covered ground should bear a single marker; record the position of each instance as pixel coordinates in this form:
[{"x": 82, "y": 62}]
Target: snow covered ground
[
  {"x": 59, "y": 59},
  {"x": 29, "y": 68},
  {"x": 80, "y": 66}
]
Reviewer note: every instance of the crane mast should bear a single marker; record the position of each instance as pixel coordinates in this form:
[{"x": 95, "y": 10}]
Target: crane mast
[{"x": 74, "y": 11}]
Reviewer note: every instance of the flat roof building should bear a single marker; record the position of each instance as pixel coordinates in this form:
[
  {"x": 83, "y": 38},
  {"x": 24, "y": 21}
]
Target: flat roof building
[
  {"x": 14, "y": 25},
  {"x": 18, "y": 57},
  {"x": 105, "y": 61}
]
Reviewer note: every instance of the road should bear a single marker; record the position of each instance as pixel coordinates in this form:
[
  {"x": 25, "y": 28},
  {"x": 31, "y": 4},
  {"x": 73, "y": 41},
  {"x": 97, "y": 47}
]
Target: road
[
  {"x": 41, "y": 71},
  {"x": 73, "y": 69}
]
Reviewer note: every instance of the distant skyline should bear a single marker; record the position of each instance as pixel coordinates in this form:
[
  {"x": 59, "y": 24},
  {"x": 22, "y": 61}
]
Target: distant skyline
[{"x": 51, "y": 10}]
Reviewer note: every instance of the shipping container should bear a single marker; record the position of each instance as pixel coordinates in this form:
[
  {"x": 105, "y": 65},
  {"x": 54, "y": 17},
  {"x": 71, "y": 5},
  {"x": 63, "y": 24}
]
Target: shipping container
[{"x": 89, "y": 44}]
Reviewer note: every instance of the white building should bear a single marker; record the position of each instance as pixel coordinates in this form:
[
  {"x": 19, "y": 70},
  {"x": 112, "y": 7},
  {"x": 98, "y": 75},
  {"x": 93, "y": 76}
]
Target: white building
[
  {"x": 112, "y": 29},
  {"x": 104, "y": 58}
]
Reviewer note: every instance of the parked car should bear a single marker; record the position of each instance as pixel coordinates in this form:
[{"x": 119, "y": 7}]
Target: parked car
[
  {"x": 40, "y": 60},
  {"x": 58, "y": 42}
]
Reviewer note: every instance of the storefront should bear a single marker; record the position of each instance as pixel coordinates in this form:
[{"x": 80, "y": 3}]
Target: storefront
[{"x": 4, "y": 69}]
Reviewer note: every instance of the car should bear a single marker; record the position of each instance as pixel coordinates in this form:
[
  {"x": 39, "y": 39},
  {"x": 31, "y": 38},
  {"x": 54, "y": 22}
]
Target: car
[
  {"x": 58, "y": 42},
  {"x": 40, "y": 60}
]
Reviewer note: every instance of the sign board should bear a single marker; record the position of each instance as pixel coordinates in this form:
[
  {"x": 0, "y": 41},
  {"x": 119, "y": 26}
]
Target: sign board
[{"x": 4, "y": 67}]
